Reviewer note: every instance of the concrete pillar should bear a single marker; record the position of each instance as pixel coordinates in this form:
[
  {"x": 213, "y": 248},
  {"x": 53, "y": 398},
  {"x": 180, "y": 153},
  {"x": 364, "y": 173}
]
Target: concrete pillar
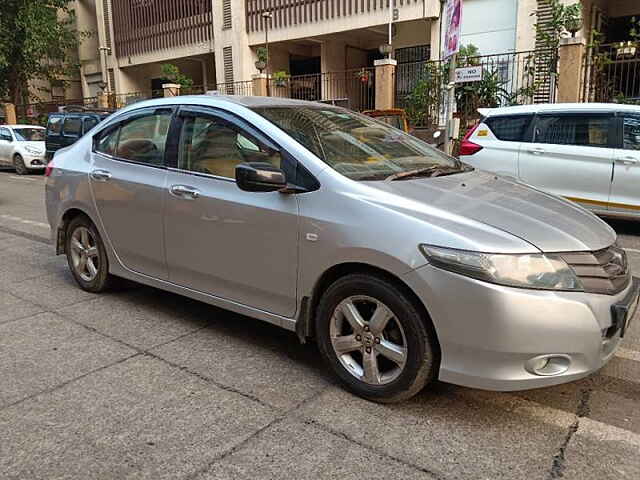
[
  {"x": 103, "y": 100},
  {"x": 171, "y": 89},
  {"x": 385, "y": 83},
  {"x": 570, "y": 69},
  {"x": 259, "y": 85},
  {"x": 10, "y": 113}
]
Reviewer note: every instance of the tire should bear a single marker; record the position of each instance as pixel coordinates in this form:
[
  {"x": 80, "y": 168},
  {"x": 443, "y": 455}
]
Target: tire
[
  {"x": 414, "y": 364},
  {"x": 18, "y": 163},
  {"x": 96, "y": 279}
]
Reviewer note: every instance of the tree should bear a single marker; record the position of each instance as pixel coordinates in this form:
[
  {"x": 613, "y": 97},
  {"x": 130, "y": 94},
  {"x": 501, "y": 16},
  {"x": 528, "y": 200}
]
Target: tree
[
  {"x": 172, "y": 74},
  {"x": 38, "y": 41}
]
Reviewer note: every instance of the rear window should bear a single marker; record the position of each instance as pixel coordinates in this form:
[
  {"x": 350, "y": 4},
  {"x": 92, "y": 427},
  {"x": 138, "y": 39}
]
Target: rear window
[
  {"x": 589, "y": 130},
  {"x": 511, "y": 128},
  {"x": 55, "y": 125},
  {"x": 72, "y": 126}
]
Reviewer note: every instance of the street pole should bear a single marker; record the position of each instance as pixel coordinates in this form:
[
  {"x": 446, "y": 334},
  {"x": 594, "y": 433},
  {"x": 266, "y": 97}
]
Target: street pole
[
  {"x": 390, "y": 24},
  {"x": 451, "y": 103},
  {"x": 267, "y": 18}
]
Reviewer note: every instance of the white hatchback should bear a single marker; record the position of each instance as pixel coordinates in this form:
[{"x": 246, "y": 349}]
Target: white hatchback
[
  {"x": 22, "y": 147},
  {"x": 586, "y": 152}
]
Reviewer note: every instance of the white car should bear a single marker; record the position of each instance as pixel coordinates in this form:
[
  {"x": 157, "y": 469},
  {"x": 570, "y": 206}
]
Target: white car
[
  {"x": 22, "y": 146},
  {"x": 586, "y": 152}
]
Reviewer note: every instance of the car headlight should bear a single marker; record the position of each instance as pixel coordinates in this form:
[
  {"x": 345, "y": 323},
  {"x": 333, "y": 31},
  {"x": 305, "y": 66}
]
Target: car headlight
[
  {"x": 33, "y": 151},
  {"x": 536, "y": 271}
]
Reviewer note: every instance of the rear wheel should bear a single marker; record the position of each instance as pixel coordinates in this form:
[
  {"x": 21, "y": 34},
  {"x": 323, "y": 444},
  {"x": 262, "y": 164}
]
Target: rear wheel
[
  {"x": 18, "y": 163},
  {"x": 374, "y": 338},
  {"x": 86, "y": 256}
]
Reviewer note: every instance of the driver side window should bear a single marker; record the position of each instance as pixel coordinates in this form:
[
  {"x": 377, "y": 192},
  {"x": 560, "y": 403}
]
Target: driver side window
[
  {"x": 143, "y": 139},
  {"x": 213, "y": 146}
]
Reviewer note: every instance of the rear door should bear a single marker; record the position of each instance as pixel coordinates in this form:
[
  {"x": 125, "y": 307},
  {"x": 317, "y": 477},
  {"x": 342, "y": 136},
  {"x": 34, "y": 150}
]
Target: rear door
[
  {"x": 128, "y": 180},
  {"x": 53, "y": 139},
  {"x": 571, "y": 156},
  {"x": 625, "y": 191},
  {"x": 71, "y": 129},
  {"x": 500, "y": 138}
]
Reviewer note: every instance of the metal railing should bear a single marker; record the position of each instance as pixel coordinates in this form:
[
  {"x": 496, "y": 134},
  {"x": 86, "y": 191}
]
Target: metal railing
[
  {"x": 612, "y": 73},
  {"x": 354, "y": 89},
  {"x": 517, "y": 78},
  {"x": 243, "y": 88}
]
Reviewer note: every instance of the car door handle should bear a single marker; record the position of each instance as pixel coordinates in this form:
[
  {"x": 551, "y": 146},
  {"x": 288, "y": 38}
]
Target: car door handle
[
  {"x": 100, "y": 175},
  {"x": 628, "y": 160},
  {"x": 537, "y": 151},
  {"x": 184, "y": 191}
]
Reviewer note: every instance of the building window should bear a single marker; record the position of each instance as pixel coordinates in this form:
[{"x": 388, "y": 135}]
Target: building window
[
  {"x": 420, "y": 53},
  {"x": 227, "y": 56},
  {"x": 226, "y": 14}
]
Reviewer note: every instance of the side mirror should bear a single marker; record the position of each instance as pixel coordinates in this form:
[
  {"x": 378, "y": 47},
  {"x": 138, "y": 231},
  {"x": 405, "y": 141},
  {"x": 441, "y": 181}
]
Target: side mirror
[{"x": 259, "y": 177}]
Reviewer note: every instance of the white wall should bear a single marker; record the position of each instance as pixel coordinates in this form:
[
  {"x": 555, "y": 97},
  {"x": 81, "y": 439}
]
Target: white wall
[{"x": 490, "y": 25}]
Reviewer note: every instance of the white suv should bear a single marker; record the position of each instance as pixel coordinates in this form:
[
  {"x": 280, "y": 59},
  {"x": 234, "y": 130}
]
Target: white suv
[{"x": 586, "y": 152}]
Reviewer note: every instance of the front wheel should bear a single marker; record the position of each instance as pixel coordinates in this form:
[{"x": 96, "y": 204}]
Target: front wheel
[
  {"x": 375, "y": 338},
  {"x": 18, "y": 163},
  {"x": 86, "y": 256}
]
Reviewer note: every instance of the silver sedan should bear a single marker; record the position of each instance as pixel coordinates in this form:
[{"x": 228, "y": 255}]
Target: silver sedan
[{"x": 404, "y": 264}]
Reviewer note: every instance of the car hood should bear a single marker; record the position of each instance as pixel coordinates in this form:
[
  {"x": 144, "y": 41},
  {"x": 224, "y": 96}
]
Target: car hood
[
  {"x": 547, "y": 222},
  {"x": 34, "y": 145}
]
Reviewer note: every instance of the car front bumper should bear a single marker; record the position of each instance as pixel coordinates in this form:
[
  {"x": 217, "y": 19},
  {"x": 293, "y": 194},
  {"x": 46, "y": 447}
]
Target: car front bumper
[
  {"x": 490, "y": 335},
  {"x": 35, "y": 162}
]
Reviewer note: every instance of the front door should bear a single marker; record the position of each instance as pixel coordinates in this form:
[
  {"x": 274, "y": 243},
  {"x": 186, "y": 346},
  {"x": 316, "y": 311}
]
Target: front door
[
  {"x": 5, "y": 145},
  {"x": 571, "y": 156},
  {"x": 625, "y": 194},
  {"x": 237, "y": 245},
  {"x": 128, "y": 179}
]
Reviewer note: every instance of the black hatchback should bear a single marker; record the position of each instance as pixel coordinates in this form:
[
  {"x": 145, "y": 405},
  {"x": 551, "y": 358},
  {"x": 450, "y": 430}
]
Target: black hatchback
[{"x": 65, "y": 128}]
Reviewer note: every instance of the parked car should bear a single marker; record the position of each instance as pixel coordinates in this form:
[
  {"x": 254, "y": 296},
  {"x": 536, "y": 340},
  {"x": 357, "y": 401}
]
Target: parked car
[
  {"x": 588, "y": 153},
  {"x": 395, "y": 117},
  {"x": 22, "y": 147},
  {"x": 65, "y": 128},
  {"x": 403, "y": 263}
]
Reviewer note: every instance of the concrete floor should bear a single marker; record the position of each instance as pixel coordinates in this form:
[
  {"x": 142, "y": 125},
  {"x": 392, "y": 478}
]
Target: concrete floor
[{"x": 139, "y": 383}]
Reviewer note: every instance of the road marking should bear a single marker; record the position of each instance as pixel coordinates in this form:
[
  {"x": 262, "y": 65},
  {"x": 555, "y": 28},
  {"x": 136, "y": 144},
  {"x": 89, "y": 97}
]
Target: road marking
[
  {"x": 628, "y": 354},
  {"x": 24, "y": 178},
  {"x": 25, "y": 221}
]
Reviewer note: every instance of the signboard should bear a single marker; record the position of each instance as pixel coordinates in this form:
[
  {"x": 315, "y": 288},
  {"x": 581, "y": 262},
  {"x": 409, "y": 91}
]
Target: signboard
[
  {"x": 469, "y": 74},
  {"x": 453, "y": 20}
]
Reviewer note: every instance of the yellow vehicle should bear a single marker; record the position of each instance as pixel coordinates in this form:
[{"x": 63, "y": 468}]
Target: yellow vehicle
[{"x": 396, "y": 117}]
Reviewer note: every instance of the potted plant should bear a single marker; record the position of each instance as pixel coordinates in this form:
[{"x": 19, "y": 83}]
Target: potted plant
[
  {"x": 263, "y": 56},
  {"x": 281, "y": 78},
  {"x": 364, "y": 76},
  {"x": 572, "y": 18}
]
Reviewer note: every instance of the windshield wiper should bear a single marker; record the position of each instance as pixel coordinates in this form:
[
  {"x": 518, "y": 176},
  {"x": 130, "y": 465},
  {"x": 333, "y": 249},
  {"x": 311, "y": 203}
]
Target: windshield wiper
[{"x": 432, "y": 171}]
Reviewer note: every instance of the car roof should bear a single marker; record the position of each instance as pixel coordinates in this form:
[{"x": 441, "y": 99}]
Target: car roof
[
  {"x": 24, "y": 126},
  {"x": 221, "y": 100},
  {"x": 558, "y": 107}
]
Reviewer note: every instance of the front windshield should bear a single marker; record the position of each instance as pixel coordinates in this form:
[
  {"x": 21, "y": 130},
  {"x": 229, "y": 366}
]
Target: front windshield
[
  {"x": 355, "y": 145},
  {"x": 29, "y": 134}
]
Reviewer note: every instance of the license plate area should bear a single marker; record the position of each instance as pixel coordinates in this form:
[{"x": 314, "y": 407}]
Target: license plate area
[{"x": 622, "y": 313}]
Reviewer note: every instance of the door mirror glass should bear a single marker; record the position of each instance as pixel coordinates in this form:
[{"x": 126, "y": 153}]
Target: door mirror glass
[{"x": 260, "y": 177}]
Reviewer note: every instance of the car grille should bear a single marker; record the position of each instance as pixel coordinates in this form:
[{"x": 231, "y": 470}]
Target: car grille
[{"x": 604, "y": 271}]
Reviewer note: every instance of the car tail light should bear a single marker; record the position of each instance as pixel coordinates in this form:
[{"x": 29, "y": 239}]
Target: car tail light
[
  {"x": 467, "y": 147},
  {"x": 48, "y": 169}
]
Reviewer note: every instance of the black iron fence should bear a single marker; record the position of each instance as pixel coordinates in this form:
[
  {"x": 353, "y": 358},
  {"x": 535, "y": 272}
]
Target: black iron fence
[
  {"x": 517, "y": 78},
  {"x": 612, "y": 73},
  {"x": 354, "y": 89}
]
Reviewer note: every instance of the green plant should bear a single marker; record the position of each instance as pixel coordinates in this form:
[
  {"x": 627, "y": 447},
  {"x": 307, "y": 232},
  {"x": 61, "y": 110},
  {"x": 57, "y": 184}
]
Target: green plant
[
  {"x": 263, "y": 54},
  {"x": 468, "y": 56},
  {"x": 563, "y": 18},
  {"x": 38, "y": 41},
  {"x": 424, "y": 100},
  {"x": 281, "y": 78},
  {"x": 172, "y": 74}
]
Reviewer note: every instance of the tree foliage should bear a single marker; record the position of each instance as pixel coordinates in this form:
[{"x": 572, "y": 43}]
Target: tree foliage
[{"x": 38, "y": 41}]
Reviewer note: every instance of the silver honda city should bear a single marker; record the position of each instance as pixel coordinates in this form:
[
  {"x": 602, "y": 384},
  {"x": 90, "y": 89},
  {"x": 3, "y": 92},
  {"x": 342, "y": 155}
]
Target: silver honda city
[{"x": 404, "y": 264}]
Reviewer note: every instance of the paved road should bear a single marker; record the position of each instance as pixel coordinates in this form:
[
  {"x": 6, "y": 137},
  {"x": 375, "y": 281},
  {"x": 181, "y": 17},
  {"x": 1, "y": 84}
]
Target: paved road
[{"x": 145, "y": 384}]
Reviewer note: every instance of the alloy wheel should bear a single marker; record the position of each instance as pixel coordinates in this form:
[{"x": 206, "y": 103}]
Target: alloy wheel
[
  {"x": 368, "y": 340},
  {"x": 84, "y": 254}
]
